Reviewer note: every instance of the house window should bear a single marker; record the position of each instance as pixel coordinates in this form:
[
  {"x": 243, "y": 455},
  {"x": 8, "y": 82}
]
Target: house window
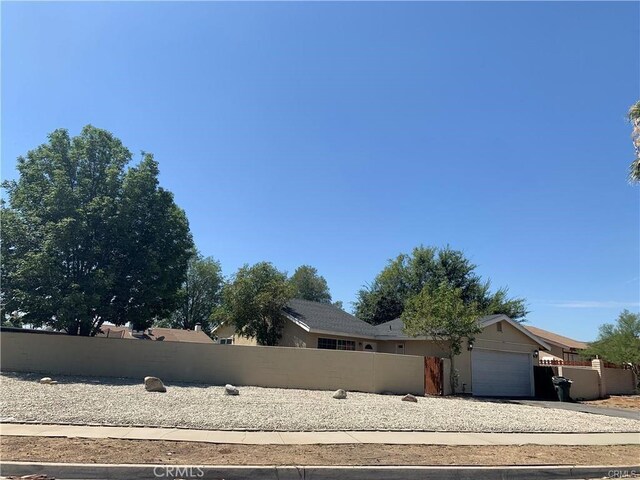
[
  {"x": 333, "y": 344},
  {"x": 226, "y": 341},
  {"x": 499, "y": 326},
  {"x": 327, "y": 343},
  {"x": 346, "y": 345}
]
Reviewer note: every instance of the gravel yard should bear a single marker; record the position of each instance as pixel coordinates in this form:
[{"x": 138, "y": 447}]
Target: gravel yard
[{"x": 125, "y": 402}]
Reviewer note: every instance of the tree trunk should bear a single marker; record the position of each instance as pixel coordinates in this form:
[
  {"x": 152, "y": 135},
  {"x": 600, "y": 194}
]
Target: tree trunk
[
  {"x": 452, "y": 374},
  {"x": 85, "y": 329}
]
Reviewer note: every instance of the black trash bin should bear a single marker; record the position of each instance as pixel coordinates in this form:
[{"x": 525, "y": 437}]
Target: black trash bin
[{"x": 563, "y": 387}]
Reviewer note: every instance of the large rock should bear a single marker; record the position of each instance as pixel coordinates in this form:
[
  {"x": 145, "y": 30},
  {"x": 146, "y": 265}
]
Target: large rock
[
  {"x": 340, "y": 394},
  {"x": 231, "y": 390},
  {"x": 409, "y": 398},
  {"x": 154, "y": 384}
]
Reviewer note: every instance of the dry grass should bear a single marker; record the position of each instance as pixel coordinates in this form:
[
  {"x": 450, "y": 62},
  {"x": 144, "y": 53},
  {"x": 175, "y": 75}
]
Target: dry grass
[
  {"x": 630, "y": 402},
  {"x": 84, "y": 450}
]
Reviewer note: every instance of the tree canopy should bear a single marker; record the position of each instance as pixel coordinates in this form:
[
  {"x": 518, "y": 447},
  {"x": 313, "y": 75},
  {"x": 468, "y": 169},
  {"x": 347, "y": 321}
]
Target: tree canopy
[
  {"x": 307, "y": 284},
  {"x": 86, "y": 240},
  {"x": 443, "y": 314},
  {"x": 634, "y": 119},
  {"x": 253, "y": 302},
  {"x": 199, "y": 295},
  {"x": 620, "y": 342},
  {"x": 427, "y": 268}
]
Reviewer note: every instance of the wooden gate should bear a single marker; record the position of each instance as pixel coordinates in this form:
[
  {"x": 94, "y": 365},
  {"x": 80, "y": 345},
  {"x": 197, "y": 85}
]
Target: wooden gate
[{"x": 433, "y": 376}]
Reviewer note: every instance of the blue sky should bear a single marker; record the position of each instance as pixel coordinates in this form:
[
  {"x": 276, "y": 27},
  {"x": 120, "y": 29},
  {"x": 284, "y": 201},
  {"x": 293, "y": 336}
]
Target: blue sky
[{"x": 341, "y": 134}]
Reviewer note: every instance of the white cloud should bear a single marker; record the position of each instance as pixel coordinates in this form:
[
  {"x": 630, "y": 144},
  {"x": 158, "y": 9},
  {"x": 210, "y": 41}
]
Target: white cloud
[{"x": 595, "y": 304}]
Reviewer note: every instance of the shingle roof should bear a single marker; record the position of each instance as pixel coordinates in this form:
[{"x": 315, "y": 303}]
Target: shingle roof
[
  {"x": 328, "y": 318},
  {"x": 157, "y": 334},
  {"x": 488, "y": 318},
  {"x": 555, "y": 338},
  {"x": 392, "y": 329},
  {"x": 323, "y": 317},
  {"x": 395, "y": 328}
]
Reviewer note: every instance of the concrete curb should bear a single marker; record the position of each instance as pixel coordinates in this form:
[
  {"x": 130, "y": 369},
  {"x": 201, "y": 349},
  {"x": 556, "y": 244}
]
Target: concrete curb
[{"x": 232, "y": 472}]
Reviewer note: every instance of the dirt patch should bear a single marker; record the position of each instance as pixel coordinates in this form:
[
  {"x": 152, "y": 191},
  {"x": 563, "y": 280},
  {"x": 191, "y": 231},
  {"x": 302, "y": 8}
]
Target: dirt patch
[
  {"x": 630, "y": 402},
  {"x": 84, "y": 450}
]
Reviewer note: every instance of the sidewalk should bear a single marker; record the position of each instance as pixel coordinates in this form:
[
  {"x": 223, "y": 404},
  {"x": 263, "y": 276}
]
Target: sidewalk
[{"x": 306, "y": 438}]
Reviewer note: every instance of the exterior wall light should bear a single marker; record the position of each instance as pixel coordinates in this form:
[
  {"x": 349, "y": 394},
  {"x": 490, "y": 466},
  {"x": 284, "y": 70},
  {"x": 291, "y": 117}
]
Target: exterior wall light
[
  {"x": 470, "y": 346},
  {"x": 536, "y": 353}
]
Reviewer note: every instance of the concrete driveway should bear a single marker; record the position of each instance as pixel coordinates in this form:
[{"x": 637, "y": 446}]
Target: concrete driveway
[{"x": 579, "y": 407}]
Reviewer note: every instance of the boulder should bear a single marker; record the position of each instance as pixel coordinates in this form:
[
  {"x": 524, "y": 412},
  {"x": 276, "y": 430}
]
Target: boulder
[
  {"x": 231, "y": 390},
  {"x": 46, "y": 380},
  {"x": 154, "y": 384},
  {"x": 409, "y": 398},
  {"x": 340, "y": 394}
]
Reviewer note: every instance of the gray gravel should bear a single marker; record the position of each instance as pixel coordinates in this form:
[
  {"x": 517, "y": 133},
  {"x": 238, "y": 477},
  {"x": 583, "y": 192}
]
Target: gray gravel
[{"x": 110, "y": 401}]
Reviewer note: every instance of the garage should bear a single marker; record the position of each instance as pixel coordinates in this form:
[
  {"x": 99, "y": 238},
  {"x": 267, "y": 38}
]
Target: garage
[{"x": 501, "y": 374}]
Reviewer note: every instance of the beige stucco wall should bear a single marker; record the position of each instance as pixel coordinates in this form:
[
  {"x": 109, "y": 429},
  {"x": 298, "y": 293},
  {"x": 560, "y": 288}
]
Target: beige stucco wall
[
  {"x": 561, "y": 353},
  {"x": 283, "y": 367},
  {"x": 618, "y": 381},
  {"x": 294, "y": 336},
  {"x": 228, "y": 331},
  {"x": 555, "y": 350},
  {"x": 446, "y": 371},
  {"x": 585, "y": 380},
  {"x": 426, "y": 348},
  {"x": 509, "y": 340},
  {"x": 311, "y": 339}
]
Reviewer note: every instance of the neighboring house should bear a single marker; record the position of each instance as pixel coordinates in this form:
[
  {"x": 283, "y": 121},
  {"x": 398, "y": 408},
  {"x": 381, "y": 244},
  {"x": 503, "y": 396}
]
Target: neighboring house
[
  {"x": 226, "y": 335},
  {"x": 562, "y": 348},
  {"x": 498, "y": 362},
  {"x": 156, "y": 334}
]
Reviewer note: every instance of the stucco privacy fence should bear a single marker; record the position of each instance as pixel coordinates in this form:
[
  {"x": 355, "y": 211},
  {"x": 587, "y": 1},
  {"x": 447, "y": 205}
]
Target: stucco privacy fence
[
  {"x": 279, "y": 367},
  {"x": 595, "y": 379}
]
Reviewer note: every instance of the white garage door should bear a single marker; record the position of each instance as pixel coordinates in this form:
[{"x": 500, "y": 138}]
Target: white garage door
[{"x": 501, "y": 374}]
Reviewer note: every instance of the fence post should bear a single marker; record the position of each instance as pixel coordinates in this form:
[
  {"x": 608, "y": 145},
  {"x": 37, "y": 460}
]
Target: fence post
[{"x": 598, "y": 366}]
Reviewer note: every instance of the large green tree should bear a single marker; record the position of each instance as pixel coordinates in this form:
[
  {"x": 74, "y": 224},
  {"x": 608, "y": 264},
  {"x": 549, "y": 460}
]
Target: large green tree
[
  {"x": 253, "y": 302},
  {"x": 427, "y": 267},
  {"x": 86, "y": 240},
  {"x": 199, "y": 295},
  {"x": 307, "y": 284},
  {"x": 620, "y": 342},
  {"x": 634, "y": 119},
  {"x": 442, "y": 314}
]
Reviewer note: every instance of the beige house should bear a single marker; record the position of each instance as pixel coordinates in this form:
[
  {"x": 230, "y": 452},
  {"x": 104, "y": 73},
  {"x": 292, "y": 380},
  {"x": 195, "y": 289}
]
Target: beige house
[
  {"x": 561, "y": 348},
  {"x": 497, "y": 362}
]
